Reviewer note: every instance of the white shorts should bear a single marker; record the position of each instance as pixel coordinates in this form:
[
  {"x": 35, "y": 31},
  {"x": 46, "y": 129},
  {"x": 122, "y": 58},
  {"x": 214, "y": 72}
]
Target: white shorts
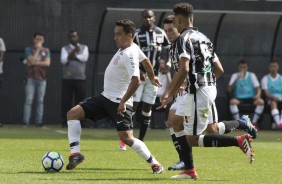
[
  {"x": 200, "y": 110},
  {"x": 181, "y": 105},
  {"x": 146, "y": 92}
]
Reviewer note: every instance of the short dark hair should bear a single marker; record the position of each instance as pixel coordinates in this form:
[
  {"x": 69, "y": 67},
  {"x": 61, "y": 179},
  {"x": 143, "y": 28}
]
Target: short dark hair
[
  {"x": 147, "y": 10},
  {"x": 168, "y": 19},
  {"x": 243, "y": 62},
  {"x": 184, "y": 9},
  {"x": 38, "y": 34},
  {"x": 128, "y": 26},
  {"x": 72, "y": 31},
  {"x": 274, "y": 61}
]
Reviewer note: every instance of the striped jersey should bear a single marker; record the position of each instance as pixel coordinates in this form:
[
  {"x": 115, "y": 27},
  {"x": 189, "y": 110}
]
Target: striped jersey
[
  {"x": 151, "y": 43},
  {"x": 195, "y": 46}
]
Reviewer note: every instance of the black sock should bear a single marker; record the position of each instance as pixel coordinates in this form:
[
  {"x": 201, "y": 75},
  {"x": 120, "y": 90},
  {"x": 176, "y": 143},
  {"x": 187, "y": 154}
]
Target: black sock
[
  {"x": 186, "y": 152},
  {"x": 176, "y": 145},
  {"x": 230, "y": 126},
  {"x": 145, "y": 122},
  {"x": 214, "y": 140}
]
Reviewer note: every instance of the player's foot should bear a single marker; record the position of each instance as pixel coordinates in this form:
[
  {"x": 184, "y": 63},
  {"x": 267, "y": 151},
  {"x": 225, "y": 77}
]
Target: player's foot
[
  {"x": 122, "y": 146},
  {"x": 178, "y": 166},
  {"x": 255, "y": 125},
  {"x": 74, "y": 160},
  {"x": 187, "y": 174},
  {"x": 157, "y": 168},
  {"x": 247, "y": 126},
  {"x": 244, "y": 142}
]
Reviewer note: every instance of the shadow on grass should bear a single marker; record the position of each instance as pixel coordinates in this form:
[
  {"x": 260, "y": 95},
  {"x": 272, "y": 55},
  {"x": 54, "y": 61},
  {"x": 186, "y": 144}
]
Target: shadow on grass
[{"x": 81, "y": 169}]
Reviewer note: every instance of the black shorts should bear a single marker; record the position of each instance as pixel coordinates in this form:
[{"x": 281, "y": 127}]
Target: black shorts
[
  {"x": 246, "y": 101},
  {"x": 99, "y": 107}
]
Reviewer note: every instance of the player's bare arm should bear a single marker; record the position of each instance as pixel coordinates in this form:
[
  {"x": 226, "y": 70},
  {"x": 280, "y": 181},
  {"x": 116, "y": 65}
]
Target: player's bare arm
[
  {"x": 133, "y": 86},
  {"x": 218, "y": 69},
  {"x": 150, "y": 72},
  {"x": 176, "y": 83}
]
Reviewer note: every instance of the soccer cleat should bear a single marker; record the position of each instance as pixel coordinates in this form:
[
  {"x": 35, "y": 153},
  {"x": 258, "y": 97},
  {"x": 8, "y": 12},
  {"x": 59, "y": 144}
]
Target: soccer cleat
[
  {"x": 157, "y": 168},
  {"x": 178, "y": 166},
  {"x": 187, "y": 174},
  {"x": 247, "y": 125},
  {"x": 279, "y": 126},
  {"x": 122, "y": 146},
  {"x": 74, "y": 160},
  {"x": 244, "y": 142}
]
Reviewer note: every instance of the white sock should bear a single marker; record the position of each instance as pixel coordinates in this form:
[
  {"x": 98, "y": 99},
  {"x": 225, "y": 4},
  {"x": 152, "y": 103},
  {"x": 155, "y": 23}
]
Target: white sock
[
  {"x": 74, "y": 132},
  {"x": 201, "y": 141},
  {"x": 141, "y": 149},
  {"x": 275, "y": 115},
  {"x": 234, "y": 111},
  {"x": 180, "y": 134},
  {"x": 221, "y": 128},
  {"x": 258, "y": 112},
  {"x": 171, "y": 131}
]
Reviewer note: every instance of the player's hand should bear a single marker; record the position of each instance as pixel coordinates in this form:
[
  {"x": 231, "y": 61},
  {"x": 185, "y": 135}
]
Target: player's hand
[
  {"x": 165, "y": 99},
  {"x": 156, "y": 82},
  {"x": 121, "y": 109}
]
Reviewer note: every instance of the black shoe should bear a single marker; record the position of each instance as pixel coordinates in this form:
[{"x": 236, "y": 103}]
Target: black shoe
[
  {"x": 178, "y": 166},
  {"x": 74, "y": 161},
  {"x": 39, "y": 125}
]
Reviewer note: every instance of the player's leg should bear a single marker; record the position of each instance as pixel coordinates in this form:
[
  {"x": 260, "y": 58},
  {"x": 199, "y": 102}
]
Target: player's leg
[
  {"x": 186, "y": 149},
  {"x": 148, "y": 98},
  {"x": 136, "y": 100},
  {"x": 40, "y": 93},
  {"x": 91, "y": 108},
  {"x": 124, "y": 126},
  {"x": 259, "y": 103},
  {"x": 225, "y": 127},
  {"x": 204, "y": 97},
  {"x": 233, "y": 105},
  {"x": 66, "y": 99},
  {"x": 175, "y": 120},
  {"x": 29, "y": 95}
]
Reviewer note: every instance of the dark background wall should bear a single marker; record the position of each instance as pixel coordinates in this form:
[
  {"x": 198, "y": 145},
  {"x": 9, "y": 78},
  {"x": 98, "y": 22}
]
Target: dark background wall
[{"x": 248, "y": 30}]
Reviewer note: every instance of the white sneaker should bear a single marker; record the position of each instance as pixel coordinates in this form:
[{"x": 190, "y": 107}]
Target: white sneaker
[{"x": 122, "y": 146}]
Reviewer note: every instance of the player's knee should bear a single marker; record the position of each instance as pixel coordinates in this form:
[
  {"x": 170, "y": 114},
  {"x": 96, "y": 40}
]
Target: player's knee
[
  {"x": 193, "y": 140},
  {"x": 75, "y": 113}
]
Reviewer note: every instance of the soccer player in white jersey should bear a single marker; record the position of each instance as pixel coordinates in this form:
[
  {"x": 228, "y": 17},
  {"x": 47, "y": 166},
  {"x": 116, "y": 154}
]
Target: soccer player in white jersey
[
  {"x": 271, "y": 85},
  {"x": 121, "y": 80},
  {"x": 195, "y": 56}
]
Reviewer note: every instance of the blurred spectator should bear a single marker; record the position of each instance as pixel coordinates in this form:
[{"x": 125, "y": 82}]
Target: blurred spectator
[
  {"x": 73, "y": 57},
  {"x": 271, "y": 85},
  {"x": 245, "y": 88},
  {"x": 37, "y": 61},
  {"x": 2, "y": 50}
]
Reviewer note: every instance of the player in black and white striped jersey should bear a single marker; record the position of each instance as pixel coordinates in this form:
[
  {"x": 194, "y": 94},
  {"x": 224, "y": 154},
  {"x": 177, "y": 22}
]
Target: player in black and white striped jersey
[
  {"x": 196, "y": 62},
  {"x": 151, "y": 40}
]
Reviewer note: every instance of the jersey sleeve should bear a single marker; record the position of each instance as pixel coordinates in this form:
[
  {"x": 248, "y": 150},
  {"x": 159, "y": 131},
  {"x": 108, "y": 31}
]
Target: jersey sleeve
[
  {"x": 264, "y": 83},
  {"x": 255, "y": 80},
  {"x": 233, "y": 79},
  {"x": 131, "y": 63},
  {"x": 182, "y": 48},
  {"x": 141, "y": 56}
]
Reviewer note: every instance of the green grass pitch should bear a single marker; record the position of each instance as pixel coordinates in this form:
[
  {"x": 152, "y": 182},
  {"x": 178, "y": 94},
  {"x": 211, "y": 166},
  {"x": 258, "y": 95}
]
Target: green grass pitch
[{"x": 21, "y": 150}]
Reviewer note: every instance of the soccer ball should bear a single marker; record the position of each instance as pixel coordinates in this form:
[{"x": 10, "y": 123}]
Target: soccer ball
[{"x": 52, "y": 162}]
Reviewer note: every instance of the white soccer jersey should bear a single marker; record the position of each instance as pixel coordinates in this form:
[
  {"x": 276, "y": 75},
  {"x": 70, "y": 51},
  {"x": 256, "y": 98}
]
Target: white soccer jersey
[{"x": 123, "y": 66}]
